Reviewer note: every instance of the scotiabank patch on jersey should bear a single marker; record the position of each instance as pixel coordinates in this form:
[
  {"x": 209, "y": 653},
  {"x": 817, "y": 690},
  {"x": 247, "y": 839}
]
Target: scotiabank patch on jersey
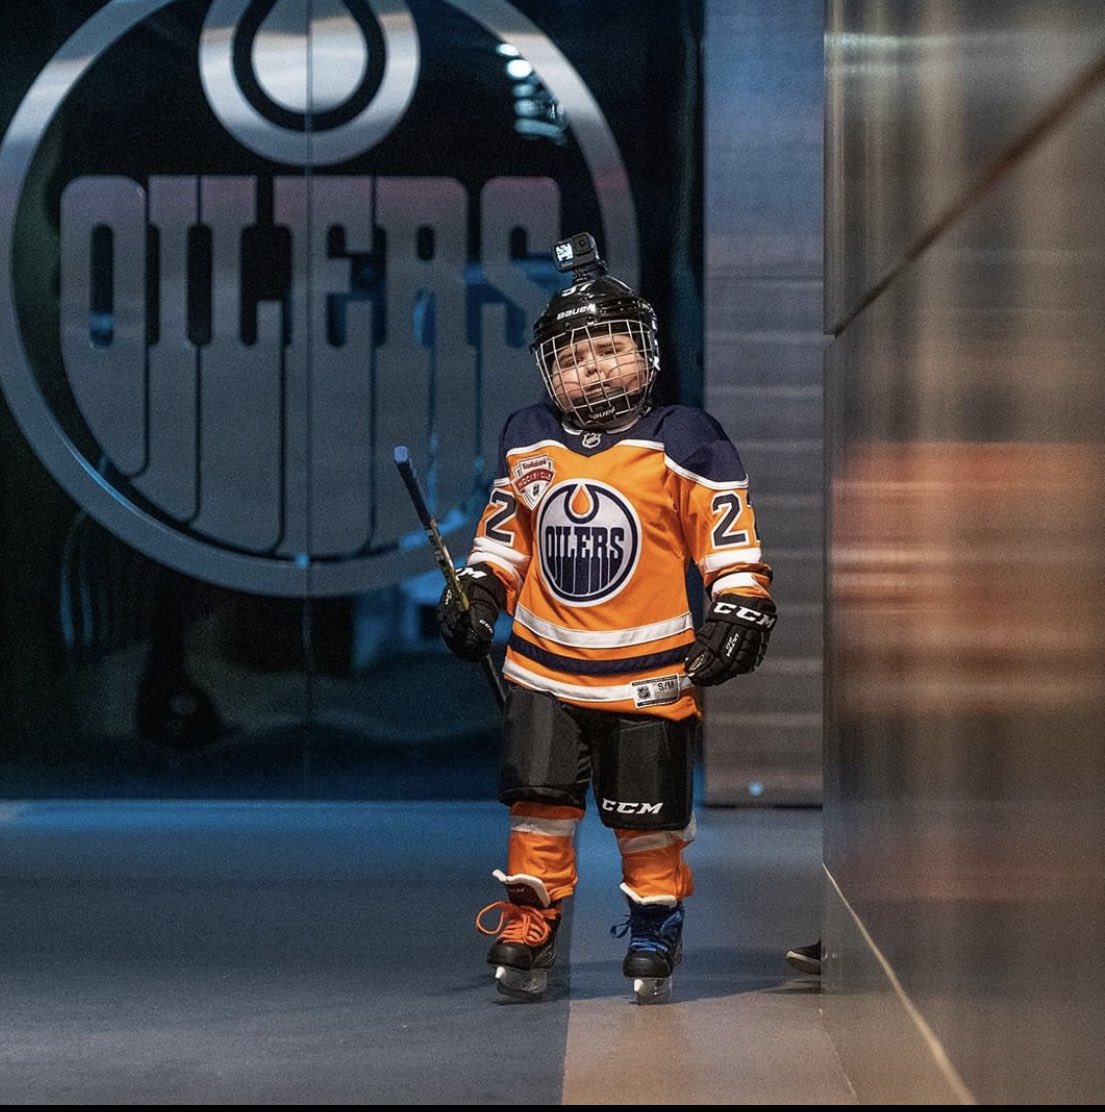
[
  {"x": 530, "y": 477},
  {"x": 589, "y": 541}
]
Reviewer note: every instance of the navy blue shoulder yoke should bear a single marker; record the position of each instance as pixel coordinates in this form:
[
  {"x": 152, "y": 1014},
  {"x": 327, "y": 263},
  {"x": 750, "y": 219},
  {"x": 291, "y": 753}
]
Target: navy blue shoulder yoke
[{"x": 691, "y": 438}]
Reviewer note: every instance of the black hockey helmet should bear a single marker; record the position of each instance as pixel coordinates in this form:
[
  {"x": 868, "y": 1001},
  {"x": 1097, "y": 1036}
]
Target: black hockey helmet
[{"x": 585, "y": 327}]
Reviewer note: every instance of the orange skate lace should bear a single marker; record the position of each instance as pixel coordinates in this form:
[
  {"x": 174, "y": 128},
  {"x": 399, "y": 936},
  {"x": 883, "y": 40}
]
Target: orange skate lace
[{"x": 528, "y": 925}]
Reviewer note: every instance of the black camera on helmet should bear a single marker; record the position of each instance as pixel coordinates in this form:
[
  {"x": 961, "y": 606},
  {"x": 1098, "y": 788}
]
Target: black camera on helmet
[{"x": 579, "y": 254}]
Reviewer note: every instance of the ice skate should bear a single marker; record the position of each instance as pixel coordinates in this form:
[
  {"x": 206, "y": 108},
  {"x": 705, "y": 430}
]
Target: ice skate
[
  {"x": 806, "y": 958},
  {"x": 525, "y": 947},
  {"x": 655, "y": 946}
]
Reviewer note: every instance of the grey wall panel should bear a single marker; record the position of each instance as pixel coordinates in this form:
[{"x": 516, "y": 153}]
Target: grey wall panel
[
  {"x": 784, "y": 467},
  {"x": 756, "y": 307},
  {"x": 794, "y": 520},
  {"x": 764, "y": 136},
  {"x": 965, "y": 684},
  {"x": 801, "y": 637},
  {"x": 783, "y": 360},
  {"x": 763, "y": 758},
  {"x": 763, "y": 314},
  {"x": 801, "y": 566},
  {"x": 767, "y": 412},
  {"x": 782, "y": 687}
]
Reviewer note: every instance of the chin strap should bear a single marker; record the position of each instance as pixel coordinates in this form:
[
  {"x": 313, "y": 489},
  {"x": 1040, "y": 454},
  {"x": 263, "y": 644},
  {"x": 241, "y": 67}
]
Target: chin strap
[{"x": 580, "y": 430}]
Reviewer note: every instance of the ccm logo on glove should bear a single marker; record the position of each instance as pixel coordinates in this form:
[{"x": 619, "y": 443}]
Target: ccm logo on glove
[
  {"x": 741, "y": 613},
  {"x": 731, "y": 640}
]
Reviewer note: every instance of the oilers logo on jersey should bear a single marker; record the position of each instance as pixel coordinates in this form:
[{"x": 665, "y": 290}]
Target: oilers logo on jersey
[{"x": 588, "y": 541}]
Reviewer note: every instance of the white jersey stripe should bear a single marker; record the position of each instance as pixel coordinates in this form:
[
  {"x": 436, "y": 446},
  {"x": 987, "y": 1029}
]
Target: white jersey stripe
[
  {"x": 614, "y": 693},
  {"x": 483, "y": 557},
  {"x": 536, "y": 446},
  {"x": 555, "y": 828},
  {"x": 749, "y": 555},
  {"x": 737, "y": 582},
  {"x": 484, "y": 546},
  {"x": 657, "y": 839},
  {"x": 602, "y": 639}
]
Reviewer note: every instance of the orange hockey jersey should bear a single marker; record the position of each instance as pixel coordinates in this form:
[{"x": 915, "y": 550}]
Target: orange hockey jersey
[{"x": 592, "y": 533}]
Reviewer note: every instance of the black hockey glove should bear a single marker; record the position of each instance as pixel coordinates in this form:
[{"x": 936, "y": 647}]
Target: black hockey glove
[
  {"x": 732, "y": 639},
  {"x": 468, "y": 632}
]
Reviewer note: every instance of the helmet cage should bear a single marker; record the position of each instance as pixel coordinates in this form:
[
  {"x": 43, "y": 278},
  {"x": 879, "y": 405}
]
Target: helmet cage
[
  {"x": 595, "y": 343},
  {"x": 593, "y": 376}
]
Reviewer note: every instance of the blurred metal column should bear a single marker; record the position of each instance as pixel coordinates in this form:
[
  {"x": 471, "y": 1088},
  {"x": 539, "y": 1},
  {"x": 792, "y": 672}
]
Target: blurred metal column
[{"x": 964, "y": 838}]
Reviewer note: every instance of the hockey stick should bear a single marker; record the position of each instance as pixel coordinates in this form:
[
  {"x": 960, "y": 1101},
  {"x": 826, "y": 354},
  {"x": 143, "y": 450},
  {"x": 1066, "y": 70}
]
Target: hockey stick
[{"x": 441, "y": 554}]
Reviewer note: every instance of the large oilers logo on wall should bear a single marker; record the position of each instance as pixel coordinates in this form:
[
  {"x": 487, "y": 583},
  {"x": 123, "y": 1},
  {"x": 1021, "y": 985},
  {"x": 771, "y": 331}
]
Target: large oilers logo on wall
[{"x": 279, "y": 238}]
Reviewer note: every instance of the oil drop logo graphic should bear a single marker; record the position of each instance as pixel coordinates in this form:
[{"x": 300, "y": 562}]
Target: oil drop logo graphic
[
  {"x": 241, "y": 257},
  {"x": 324, "y": 103}
]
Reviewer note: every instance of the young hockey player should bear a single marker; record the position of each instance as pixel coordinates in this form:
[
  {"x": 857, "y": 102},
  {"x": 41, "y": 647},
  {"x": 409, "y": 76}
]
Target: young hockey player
[{"x": 601, "y": 501}]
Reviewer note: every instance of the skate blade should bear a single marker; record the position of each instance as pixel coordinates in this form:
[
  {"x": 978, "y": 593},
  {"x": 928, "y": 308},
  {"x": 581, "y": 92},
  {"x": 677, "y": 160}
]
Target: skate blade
[
  {"x": 521, "y": 984},
  {"x": 652, "y": 990}
]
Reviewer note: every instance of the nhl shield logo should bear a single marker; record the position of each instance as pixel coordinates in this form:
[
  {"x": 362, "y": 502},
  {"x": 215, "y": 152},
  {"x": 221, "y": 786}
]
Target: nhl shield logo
[{"x": 531, "y": 478}]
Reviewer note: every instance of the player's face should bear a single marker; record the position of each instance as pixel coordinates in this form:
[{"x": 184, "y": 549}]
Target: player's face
[{"x": 596, "y": 367}]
